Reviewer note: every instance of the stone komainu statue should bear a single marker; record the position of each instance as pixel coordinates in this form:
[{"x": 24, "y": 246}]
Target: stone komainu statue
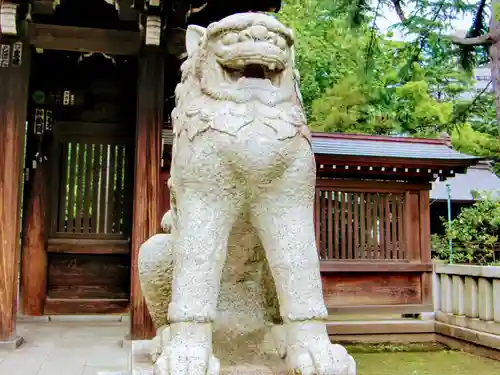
[{"x": 238, "y": 272}]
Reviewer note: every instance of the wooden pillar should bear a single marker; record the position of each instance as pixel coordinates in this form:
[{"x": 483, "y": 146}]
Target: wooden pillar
[
  {"x": 34, "y": 255},
  {"x": 425, "y": 245},
  {"x": 146, "y": 222},
  {"x": 14, "y": 81}
]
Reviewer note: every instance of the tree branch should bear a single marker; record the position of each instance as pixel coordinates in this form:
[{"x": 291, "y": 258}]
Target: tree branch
[
  {"x": 399, "y": 10},
  {"x": 477, "y": 41}
]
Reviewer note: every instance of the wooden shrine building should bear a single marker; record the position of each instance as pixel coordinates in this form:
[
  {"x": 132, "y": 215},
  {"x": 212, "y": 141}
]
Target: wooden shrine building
[{"x": 86, "y": 87}]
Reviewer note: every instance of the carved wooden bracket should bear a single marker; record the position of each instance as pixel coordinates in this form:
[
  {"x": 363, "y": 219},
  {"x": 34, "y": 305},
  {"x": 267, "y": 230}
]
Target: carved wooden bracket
[
  {"x": 8, "y": 24},
  {"x": 153, "y": 30}
]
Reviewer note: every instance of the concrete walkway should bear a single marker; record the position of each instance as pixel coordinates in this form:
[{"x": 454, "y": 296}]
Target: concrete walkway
[{"x": 67, "y": 348}]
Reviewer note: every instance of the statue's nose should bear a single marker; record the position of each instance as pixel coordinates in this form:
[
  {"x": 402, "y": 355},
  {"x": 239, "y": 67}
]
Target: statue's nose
[{"x": 258, "y": 32}]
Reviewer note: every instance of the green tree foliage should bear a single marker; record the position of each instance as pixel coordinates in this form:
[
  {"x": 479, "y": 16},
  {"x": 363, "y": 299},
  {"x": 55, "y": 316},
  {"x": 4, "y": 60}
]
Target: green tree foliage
[
  {"x": 327, "y": 50},
  {"x": 474, "y": 233},
  {"x": 358, "y": 80},
  {"x": 468, "y": 140}
]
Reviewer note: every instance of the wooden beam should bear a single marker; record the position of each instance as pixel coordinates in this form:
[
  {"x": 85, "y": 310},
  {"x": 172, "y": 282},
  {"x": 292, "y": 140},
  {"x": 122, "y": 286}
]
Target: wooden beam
[
  {"x": 380, "y": 309},
  {"x": 88, "y": 246},
  {"x": 84, "y": 39},
  {"x": 425, "y": 226},
  {"x": 377, "y": 186},
  {"x": 66, "y": 306},
  {"x": 327, "y": 266},
  {"x": 425, "y": 244},
  {"x": 14, "y": 81},
  {"x": 147, "y": 177},
  {"x": 391, "y": 162}
]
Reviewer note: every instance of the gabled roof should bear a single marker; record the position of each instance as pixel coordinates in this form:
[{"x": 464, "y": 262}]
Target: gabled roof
[
  {"x": 385, "y": 147},
  {"x": 479, "y": 177}
]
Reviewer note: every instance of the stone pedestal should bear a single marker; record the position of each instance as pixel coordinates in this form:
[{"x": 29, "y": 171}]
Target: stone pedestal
[
  {"x": 11, "y": 344},
  {"x": 140, "y": 363}
]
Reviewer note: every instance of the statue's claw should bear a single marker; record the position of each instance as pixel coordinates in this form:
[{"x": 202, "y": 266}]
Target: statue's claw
[
  {"x": 159, "y": 341},
  {"x": 279, "y": 335},
  {"x": 311, "y": 353},
  {"x": 193, "y": 361},
  {"x": 181, "y": 355}
]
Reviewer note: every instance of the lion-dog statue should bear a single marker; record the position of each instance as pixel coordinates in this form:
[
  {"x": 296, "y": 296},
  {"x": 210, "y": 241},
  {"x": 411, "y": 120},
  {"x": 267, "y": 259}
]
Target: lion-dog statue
[{"x": 238, "y": 268}]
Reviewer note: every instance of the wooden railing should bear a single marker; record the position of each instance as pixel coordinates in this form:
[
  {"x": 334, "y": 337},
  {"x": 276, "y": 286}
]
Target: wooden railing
[
  {"x": 92, "y": 189},
  {"x": 358, "y": 225},
  {"x": 91, "y": 173},
  {"x": 371, "y": 220},
  {"x": 467, "y": 303}
]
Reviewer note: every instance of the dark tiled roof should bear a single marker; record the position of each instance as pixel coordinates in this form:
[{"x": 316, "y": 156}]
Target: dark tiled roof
[{"x": 386, "y": 147}]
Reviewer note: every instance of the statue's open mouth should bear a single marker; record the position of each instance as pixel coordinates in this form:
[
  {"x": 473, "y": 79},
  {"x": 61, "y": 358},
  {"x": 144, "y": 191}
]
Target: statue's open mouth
[
  {"x": 255, "y": 50},
  {"x": 252, "y": 70}
]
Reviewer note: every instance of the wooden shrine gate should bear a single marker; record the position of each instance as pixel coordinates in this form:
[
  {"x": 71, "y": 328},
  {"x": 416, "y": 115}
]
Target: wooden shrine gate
[{"x": 90, "y": 219}]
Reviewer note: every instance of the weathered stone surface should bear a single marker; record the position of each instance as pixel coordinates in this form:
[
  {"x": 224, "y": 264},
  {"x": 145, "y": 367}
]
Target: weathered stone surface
[
  {"x": 470, "y": 323},
  {"x": 485, "y": 299},
  {"x": 458, "y": 286},
  {"x": 470, "y": 297},
  {"x": 496, "y": 301},
  {"x": 492, "y": 272},
  {"x": 270, "y": 364},
  {"x": 11, "y": 344},
  {"x": 436, "y": 291},
  {"x": 446, "y": 293},
  {"x": 241, "y": 229}
]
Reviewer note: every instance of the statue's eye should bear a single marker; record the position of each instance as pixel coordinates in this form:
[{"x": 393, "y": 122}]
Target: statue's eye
[
  {"x": 230, "y": 38},
  {"x": 281, "y": 42}
]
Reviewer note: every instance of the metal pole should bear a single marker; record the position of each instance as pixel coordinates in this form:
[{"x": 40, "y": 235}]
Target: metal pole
[{"x": 450, "y": 241}]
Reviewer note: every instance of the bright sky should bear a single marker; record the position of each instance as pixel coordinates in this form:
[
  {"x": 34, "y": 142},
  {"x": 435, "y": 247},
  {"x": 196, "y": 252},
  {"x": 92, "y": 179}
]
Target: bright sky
[{"x": 390, "y": 18}]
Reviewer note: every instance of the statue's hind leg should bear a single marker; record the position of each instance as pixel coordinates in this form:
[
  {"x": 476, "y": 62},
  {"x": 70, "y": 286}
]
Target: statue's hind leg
[
  {"x": 283, "y": 218},
  {"x": 205, "y": 216},
  {"x": 155, "y": 267}
]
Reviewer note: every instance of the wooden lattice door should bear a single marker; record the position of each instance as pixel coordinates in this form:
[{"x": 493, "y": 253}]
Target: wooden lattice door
[{"x": 91, "y": 204}]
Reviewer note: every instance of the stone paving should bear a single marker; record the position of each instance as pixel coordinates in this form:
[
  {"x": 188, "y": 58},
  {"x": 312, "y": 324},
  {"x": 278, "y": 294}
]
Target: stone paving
[{"x": 67, "y": 348}]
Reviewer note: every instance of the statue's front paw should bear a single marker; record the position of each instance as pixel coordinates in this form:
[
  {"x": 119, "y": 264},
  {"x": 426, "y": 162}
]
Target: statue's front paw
[
  {"x": 327, "y": 359},
  {"x": 185, "y": 360},
  {"x": 160, "y": 341},
  {"x": 310, "y": 351}
]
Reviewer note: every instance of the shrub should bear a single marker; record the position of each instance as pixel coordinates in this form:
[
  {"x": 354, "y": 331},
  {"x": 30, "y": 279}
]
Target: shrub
[{"x": 474, "y": 233}]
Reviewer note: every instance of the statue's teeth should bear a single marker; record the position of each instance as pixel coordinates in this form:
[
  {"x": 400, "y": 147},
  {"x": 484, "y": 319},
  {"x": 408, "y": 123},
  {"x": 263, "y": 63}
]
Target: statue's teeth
[{"x": 272, "y": 66}]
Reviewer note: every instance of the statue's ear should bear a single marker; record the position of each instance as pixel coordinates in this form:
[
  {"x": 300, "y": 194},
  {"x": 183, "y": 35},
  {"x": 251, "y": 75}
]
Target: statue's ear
[{"x": 194, "y": 34}]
